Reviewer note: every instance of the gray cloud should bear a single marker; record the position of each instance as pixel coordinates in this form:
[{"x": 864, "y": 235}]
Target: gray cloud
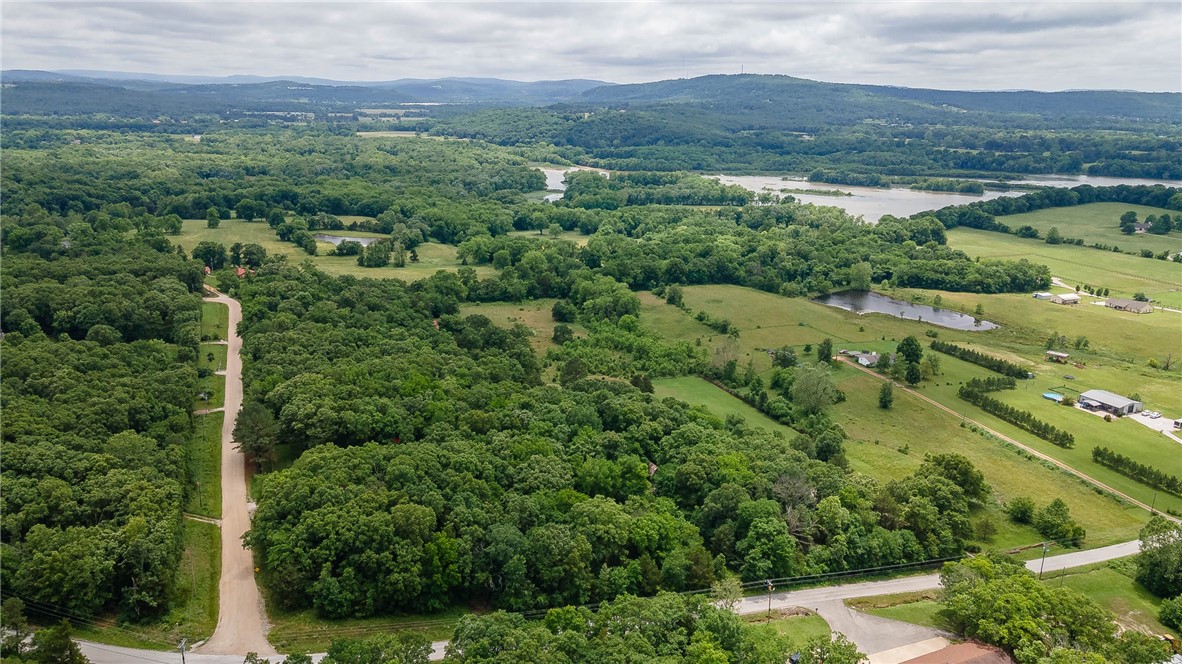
[{"x": 959, "y": 45}]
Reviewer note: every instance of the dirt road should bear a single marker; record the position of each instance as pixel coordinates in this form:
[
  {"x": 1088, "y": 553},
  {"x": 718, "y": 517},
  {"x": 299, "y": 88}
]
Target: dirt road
[
  {"x": 240, "y": 610},
  {"x": 1027, "y": 448}
]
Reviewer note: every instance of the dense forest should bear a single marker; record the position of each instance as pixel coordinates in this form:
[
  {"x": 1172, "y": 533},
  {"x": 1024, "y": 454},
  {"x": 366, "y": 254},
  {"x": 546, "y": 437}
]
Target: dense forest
[{"x": 100, "y": 336}]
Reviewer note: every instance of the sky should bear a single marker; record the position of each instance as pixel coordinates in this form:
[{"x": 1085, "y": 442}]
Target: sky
[{"x": 951, "y": 45}]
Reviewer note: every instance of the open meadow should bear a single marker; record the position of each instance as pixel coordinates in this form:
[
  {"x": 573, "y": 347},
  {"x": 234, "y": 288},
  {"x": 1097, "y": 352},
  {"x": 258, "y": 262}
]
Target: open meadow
[
  {"x": 534, "y": 314},
  {"x": 1098, "y": 223},
  {"x": 432, "y": 255},
  {"x": 1122, "y": 274}
]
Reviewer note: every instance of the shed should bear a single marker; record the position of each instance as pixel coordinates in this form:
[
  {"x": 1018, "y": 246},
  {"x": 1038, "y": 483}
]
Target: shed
[
  {"x": 1056, "y": 356},
  {"x": 1043, "y": 296},
  {"x": 1065, "y": 298},
  {"x": 1113, "y": 403},
  {"x": 1121, "y": 304}
]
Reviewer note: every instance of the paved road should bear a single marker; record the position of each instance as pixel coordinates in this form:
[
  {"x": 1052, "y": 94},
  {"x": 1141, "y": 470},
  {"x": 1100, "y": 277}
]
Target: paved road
[
  {"x": 810, "y": 598},
  {"x": 240, "y": 611},
  {"x": 1023, "y": 446}
]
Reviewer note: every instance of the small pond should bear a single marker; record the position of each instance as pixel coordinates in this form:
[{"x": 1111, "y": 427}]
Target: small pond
[
  {"x": 868, "y": 302},
  {"x": 337, "y": 239}
]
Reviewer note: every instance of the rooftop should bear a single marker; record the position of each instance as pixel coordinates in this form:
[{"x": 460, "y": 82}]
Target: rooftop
[{"x": 1107, "y": 398}]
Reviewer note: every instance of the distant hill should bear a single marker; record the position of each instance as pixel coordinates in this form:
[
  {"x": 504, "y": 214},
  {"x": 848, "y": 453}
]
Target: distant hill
[
  {"x": 231, "y": 90},
  {"x": 752, "y": 93}
]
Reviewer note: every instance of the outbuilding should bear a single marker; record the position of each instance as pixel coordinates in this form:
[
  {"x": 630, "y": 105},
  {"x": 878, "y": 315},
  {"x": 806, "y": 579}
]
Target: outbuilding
[
  {"x": 1065, "y": 298},
  {"x": 1135, "y": 306},
  {"x": 1113, "y": 403},
  {"x": 1056, "y": 356},
  {"x": 1043, "y": 296}
]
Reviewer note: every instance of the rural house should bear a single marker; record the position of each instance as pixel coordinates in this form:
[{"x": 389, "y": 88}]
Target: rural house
[
  {"x": 1113, "y": 403},
  {"x": 1065, "y": 298},
  {"x": 864, "y": 359},
  {"x": 1121, "y": 304}
]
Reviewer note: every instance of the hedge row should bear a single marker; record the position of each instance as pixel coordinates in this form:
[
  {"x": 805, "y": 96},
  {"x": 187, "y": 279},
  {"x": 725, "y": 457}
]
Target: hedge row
[
  {"x": 1137, "y": 471},
  {"x": 989, "y": 362},
  {"x": 1018, "y": 418},
  {"x": 991, "y": 384}
]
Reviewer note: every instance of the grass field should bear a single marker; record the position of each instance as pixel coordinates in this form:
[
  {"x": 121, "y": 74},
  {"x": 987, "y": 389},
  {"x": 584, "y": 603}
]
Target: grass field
[
  {"x": 214, "y": 316},
  {"x": 799, "y": 628},
  {"x": 214, "y": 389},
  {"x": 218, "y": 351},
  {"x": 574, "y": 236},
  {"x": 534, "y": 314},
  {"x": 194, "y": 613},
  {"x": 1099, "y": 223},
  {"x": 432, "y": 256},
  {"x": 919, "y": 608},
  {"x": 1122, "y": 274},
  {"x": 303, "y": 631},
  {"x": 205, "y": 461}
]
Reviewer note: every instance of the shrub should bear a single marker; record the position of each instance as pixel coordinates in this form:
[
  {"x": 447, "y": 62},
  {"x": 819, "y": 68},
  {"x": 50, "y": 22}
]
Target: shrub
[
  {"x": 1020, "y": 509},
  {"x": 1170, "y": 613}
]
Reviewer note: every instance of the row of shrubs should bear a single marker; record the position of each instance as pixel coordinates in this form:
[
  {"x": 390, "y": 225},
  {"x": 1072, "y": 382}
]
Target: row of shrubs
[
  {"x": 991, "y": 384},
  {"x": 988, "y": 361},
  {"x": 1019, "y": 418},
  {"x": 1137, "y": 471}
]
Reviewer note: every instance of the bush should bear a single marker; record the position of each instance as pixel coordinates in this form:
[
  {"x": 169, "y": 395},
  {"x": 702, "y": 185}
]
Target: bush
[
  {"x": 1170, "y": 613},
  {"x": 1021, "y": 509}
]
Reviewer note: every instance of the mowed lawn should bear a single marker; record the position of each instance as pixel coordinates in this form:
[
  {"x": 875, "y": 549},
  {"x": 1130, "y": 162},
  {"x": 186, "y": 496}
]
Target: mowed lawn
[
  {"x": 205, "y": 462},
  {"x": 1122, "y": 274},
  {"x": 432, "y": 256},
  {"x": 214, "y": 320},
  {"x": 1099, "y": 223}
]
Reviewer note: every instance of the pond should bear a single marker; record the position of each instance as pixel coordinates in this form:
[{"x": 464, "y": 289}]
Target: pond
[
  {"x": 869, "y": 302},
  {"x": 556, "y": 179},
  {"x": 871, "y": 203},
  {"x": 337, "y": 239}
]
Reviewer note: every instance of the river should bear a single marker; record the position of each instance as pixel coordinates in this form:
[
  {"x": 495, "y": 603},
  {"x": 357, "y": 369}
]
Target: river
[{"x": 871, "y": 203}]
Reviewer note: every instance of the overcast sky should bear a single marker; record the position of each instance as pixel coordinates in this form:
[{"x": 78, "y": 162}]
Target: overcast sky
[{"x": 953, "y": 45}]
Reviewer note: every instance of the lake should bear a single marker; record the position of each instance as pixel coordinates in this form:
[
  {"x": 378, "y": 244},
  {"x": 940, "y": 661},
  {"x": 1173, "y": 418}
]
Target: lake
[
  {"x": 870, "y": 302},
  {"x": 555, "y": 179},
  {"x": 337, "y": 239},
  {"x": 871, "y": 203}
]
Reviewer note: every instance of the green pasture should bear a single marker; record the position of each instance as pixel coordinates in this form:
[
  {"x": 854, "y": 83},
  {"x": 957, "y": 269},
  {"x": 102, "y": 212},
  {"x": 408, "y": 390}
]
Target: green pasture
[
  {"x": 214, "y": 317},
  {"x": 205, "y": 466},
  {"x": 1122, "y": 274},
  {"x": 432, "y": 256},
  {"x": 1098, "y": 223},
  {"x": 218, "y": 351}
]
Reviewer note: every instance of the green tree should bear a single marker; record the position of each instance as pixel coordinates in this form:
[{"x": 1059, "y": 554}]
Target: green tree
[
  {"x": 212, "y": 254},
  {"x": 1170, "y": 613},
  {"x": 1161, "y": 225},
  {"x": 910, "y": 349},
  {"x": 913, "y": 374},
  {"x": 1054, "y": 521},
  {"x": 562, "y": 334},
  {"x": 674, "y": 295},
  {"x": 15, "y": 628},
  {"x": 212, "y": 218},
  {"x": 1159, "y": 567},
  {"x": 54, "y": 646},
  {"x": 256, "y": 433},
  {"x": 860, "y": 276},
  {"x": 564, "y": 311},
  {"x": 831, "y": 649},
  {"x": 825, "y": 350},
  {"x": 573, "y": 371},
  {"x": 1053, "y": 236},
  {"x": 813, "y": 389},
  {"x": 407, "y": 647},
  {"x": 1020, "y": 509},
  {"x": 785, "y": 357},
  {"x": 253, "y": 255},
  {"x": 886, "y": 395}
]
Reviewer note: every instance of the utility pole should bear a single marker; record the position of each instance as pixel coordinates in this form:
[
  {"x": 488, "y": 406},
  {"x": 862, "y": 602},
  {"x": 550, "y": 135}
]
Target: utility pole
[
  {"x": 1045, "y": 548},
  {"x": 183, "y": 642},
  {"x": 770, "y": 588}
]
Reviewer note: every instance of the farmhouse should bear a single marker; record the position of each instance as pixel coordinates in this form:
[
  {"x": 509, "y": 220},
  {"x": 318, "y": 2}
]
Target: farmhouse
[
  {"x": 1140, "y": 227},
  {"x": 1121, "y": 304},
  {"x": 1056, "y": 356},
  {"x": 1043, "y": 296},
  {"x": 1065, "y": 298},
  {"x": 864, "y": 359},
  {"x": 1105, "y": 400}
]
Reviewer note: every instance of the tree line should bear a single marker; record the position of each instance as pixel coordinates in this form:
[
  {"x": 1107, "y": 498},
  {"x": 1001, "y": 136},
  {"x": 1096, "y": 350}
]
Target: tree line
[
  {"x": 1019, "y": 418},
  {"x": 1138, "y": 471},
  {"x": 996, "y": 364}
]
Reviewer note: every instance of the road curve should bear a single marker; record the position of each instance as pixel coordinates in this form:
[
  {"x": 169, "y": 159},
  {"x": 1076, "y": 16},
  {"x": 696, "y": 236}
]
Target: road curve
[
  {"x": 1045, "y": 457},
  {"x": 809, "y": 598},
  {"x": 240, "y": 610}
]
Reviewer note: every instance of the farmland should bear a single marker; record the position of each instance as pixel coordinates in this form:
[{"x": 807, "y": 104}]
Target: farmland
[
  {"x": 1122, "y": 274},
  {"x": 1098, "y": 223}
]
